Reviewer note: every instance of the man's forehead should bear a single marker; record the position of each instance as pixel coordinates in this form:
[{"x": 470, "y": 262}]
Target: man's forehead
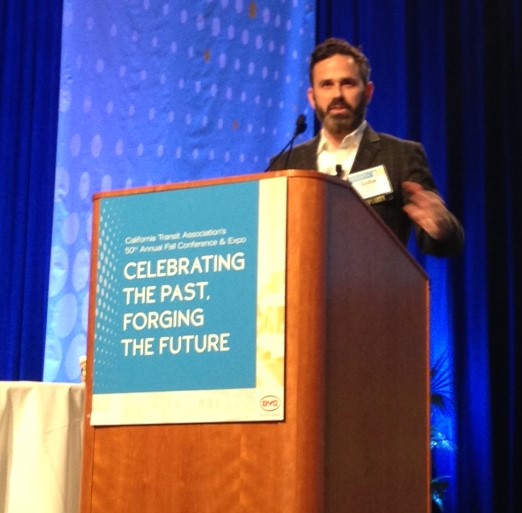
[{"x": 336, "y": 66}]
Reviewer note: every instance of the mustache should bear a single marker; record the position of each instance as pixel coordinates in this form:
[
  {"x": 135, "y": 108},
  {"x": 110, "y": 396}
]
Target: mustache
[{"x": 338, "y": 103}]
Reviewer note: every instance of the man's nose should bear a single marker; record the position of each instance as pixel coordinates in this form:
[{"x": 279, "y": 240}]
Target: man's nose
[{"x": 338, "y": 90}]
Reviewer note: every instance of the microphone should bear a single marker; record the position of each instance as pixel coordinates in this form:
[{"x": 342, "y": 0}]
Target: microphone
[{"x": 300, "y": 127}]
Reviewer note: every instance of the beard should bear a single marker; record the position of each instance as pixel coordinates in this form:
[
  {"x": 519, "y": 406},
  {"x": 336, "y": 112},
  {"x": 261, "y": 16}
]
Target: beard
[{"x": 341, "y": 125}]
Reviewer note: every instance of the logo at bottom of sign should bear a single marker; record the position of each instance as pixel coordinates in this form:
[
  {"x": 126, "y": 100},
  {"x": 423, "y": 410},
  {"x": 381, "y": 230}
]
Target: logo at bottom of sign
[{"x": 270, "y": 403}]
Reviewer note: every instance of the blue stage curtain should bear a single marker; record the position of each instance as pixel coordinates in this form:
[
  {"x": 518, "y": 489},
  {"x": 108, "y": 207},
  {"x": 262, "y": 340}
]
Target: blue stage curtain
[
  {"x": 502, "y": 72},
  {"x": 30, "y": 33},
  {"x": 449, "y": 74}
]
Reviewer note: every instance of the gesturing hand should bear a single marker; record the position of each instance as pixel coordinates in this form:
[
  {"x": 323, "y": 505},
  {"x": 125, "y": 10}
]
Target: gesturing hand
[{"x": 427, "y": 210}]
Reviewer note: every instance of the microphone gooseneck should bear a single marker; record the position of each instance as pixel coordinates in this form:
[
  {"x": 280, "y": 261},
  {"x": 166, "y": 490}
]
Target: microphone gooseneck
[{"x": 300, "y": 127}]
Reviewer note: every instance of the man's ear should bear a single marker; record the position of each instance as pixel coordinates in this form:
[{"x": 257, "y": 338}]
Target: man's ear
[
  {"x": 310, "y": 97},
  {"x": 368, "y": 92}
]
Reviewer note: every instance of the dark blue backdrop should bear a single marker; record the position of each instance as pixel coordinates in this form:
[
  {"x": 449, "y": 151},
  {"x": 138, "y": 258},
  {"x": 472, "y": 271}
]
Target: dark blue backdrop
[
  {"x": 30, "y": 33},
  {"x": 452, "y": 75},
  {"x": 447, "y": 73}
]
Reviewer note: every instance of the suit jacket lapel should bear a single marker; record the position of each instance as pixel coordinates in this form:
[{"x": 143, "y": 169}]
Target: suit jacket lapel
[
  {"x": 368, "y": 149},
  {"x": 306, "y": 155}
]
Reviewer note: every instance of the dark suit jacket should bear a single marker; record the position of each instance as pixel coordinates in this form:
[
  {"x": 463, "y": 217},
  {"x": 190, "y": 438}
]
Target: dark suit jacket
[{"x": 403, "y": 160}]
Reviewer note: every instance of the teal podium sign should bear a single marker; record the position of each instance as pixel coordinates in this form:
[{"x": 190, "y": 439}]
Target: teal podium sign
[{"x": 189, "y": 306}]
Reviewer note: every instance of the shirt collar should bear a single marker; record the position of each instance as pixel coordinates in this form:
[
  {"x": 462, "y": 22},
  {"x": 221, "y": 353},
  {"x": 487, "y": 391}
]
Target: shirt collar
[{"x": 353, "y": 138}]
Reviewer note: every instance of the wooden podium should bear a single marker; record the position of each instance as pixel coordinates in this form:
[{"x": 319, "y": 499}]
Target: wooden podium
[{"x": 355, "y": 438}]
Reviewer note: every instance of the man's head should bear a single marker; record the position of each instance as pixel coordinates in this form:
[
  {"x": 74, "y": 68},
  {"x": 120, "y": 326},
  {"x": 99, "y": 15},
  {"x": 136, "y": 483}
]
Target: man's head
[
  {"x": 334, "y": 46},
  {"x": 340, "y": 87}
]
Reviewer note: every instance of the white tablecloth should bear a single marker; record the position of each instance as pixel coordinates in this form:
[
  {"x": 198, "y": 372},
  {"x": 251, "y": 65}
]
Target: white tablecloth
[{"x": 40, "y": 447}]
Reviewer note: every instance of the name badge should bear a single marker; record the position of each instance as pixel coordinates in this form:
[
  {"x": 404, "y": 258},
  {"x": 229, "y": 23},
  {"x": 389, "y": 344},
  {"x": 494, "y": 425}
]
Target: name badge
[{"x": 373, "y": 184}]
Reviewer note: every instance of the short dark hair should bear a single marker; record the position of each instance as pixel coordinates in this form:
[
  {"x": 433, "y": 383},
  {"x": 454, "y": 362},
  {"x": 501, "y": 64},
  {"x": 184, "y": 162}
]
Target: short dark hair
[{"x": 334, "y": 46}]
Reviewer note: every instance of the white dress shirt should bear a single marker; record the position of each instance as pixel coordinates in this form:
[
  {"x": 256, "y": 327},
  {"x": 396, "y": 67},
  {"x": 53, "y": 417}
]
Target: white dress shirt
[{"x": 329, "y": 158}]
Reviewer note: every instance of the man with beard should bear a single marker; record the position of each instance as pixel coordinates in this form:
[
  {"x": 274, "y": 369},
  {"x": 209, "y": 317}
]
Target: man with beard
[{"x": 348, "y": 147}]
